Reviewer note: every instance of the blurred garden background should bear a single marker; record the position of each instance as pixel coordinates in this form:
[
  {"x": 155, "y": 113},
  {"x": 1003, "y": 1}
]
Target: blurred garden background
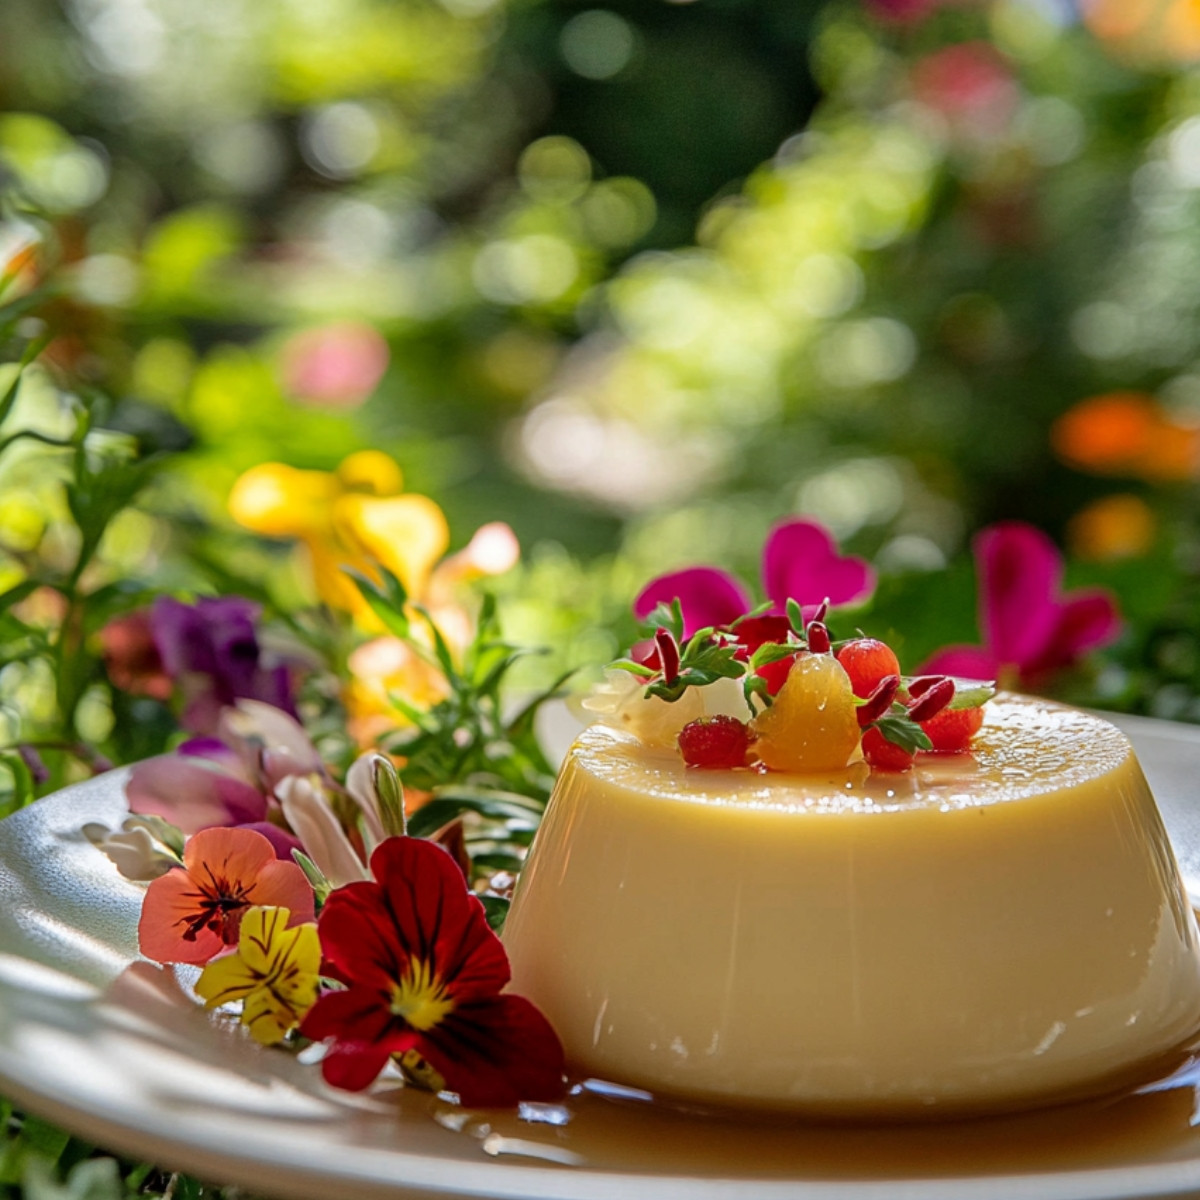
[{"x": 294, "y": 284}]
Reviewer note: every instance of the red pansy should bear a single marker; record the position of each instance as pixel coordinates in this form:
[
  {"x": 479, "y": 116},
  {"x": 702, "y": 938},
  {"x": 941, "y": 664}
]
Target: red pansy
[{"x": 423, "y": 975}]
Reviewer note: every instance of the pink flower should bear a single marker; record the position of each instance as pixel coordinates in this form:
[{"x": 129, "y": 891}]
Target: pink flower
[
  {"x": 1030, "y": 628},
  {"x": 800, "y": 562},
  {"x": 338, "y": 365}
]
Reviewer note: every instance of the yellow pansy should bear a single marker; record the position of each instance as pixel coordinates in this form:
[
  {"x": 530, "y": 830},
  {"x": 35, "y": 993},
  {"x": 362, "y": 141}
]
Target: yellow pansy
[
  {"x": 353, "y": 517},
  {"x": 274, "y": 973}
]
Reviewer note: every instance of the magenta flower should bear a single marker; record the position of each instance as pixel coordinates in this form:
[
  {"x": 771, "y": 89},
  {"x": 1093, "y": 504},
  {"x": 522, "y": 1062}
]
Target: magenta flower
[
  {"x": 800, "y": 562},
  {"x": 1030, "y": 628}
]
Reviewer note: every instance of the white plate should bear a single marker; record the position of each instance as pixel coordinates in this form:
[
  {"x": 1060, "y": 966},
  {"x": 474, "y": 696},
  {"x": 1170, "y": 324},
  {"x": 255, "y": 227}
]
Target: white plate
[{"x": 116, "y": 1050}]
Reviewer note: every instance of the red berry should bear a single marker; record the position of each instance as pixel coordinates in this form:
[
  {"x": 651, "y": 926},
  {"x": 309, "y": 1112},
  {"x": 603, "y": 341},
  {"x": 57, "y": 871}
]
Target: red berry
[
  {"x": 952, "y": 729},
  {"x": 884, "y": 755},
  {"x": 867, "y": 661},
  {"x": 717, "y": 743},
  {"x": 776, "y": 673}
]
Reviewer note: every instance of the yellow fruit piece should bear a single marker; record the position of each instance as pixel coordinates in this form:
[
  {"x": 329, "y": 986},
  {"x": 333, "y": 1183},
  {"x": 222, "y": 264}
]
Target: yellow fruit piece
[{"x": 812, "y": 724}]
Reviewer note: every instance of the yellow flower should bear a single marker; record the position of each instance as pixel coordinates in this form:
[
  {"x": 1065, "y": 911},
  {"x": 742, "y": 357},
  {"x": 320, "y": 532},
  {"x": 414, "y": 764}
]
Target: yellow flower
[
  {"x": 1111, "y": 528},
  {"x": 274, "y": 973},
  {"x": 353, "y": 517}
]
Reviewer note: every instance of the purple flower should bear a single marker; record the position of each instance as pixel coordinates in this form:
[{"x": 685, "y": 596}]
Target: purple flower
[
  {"x": 211, "y": 651},
  {"x": 1030, "y": 628},
  {"x": 800, "y": 562}
]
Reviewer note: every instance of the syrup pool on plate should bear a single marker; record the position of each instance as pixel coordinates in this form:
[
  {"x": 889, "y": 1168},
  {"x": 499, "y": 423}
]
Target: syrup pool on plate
[{"x": 610, "y": 1128}]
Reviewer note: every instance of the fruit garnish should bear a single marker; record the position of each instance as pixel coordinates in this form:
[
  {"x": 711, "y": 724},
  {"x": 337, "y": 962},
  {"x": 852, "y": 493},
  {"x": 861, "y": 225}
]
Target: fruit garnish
[
  {"x": 867, "y": 661},
  {"x": 809, "y": 701},
  {"x": 776, "y": 673},
  {"x": 882, "y": 754},
  {"x": 812, "y": 725},
  {"x": 952, "y": 729},
  {"x": 715, "y": 743}
]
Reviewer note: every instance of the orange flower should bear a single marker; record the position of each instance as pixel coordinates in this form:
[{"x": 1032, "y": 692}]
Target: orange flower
[
  {"x": 1126, "y": 433},
  {"x": 1115, "y": 527},
  {"x": 191, "y": 914}
]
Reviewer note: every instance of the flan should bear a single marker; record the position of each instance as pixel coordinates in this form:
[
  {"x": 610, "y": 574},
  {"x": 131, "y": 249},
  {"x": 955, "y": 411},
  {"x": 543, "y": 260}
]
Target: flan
[{"x": 985, "y": 932}]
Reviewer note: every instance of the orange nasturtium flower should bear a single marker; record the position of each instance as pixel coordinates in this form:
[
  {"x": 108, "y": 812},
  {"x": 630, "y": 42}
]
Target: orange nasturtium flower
[
  {"x": 1127, "y": 433},
  {"x": 353, "y": 517},
  {"x": 275, "y": 973}
]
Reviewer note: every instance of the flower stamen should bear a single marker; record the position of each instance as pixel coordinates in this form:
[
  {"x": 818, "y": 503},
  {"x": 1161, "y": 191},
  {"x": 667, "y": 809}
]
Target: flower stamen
[{"x": 420, "y": 998}]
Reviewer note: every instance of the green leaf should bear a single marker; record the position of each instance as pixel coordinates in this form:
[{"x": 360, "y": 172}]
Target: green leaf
[
  {"x": 387, "y": 602},
  {"x": 316, "y": 877},
  {"x": 633, "y": 667},
  {"x": 44, "y": 1139},
  {"x": 971, "y": 693},
  {"x": 795, "y": 615},
  {"x": 510, "y": 808},
  {"x": 771, "y": 652},
  {"x": 496, "y": 908},
  {"x": 755, "y": 687},
  {"x": 665, "y": 616},
  {"x": 9, "y": 398},
  {"x": 906, "y": 734}
]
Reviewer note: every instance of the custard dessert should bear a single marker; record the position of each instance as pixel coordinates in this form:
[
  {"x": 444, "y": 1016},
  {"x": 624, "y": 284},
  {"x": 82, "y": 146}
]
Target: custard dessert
[{"x": 979, "y": 932}]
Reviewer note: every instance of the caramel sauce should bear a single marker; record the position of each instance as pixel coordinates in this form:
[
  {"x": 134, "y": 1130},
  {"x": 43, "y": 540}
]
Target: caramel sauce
[{"x": 608, "y": 1128}]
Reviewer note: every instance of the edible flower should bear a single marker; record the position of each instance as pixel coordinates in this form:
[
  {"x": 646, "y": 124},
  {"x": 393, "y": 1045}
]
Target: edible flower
[
  {"x": 1030, "y": 628},
  {"x": 1128, "y": 434},
  {"x": 275, "y": 973},
  {"x": 194, "y": 912},
  {"x": 353, "y": 517},
  {"x": 208, "y": 651},
  {"x": 423, "y": 975},
  {"x": 800, "y": 562}
]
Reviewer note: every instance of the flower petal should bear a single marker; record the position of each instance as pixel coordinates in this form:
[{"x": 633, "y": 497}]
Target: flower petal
[
  {"x": 801, "y": 563},
  {"x": 309, "y": 814},
  {"x": 283, "y": 885},
  {"x": 966, "y": 662},
  {"x": 406, "y": 534},
  {"x": 191, "y": 795},
  {"x": 251, "y": 725},
  {"x": 706, "y": 595},
  {"x": 437, "y": 919},
  {"x": 495, "y": 1052},
  {"x": 1020, "y": 571},
  {"x": 170, "y": 904},
  {"x": 283, "y": 841},
  {"x": 358, "y": 938},
  {"x": 235, "y": 855},
  {"x": 227, "y": 979},
  {"x": 1085, "y": 621}
]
